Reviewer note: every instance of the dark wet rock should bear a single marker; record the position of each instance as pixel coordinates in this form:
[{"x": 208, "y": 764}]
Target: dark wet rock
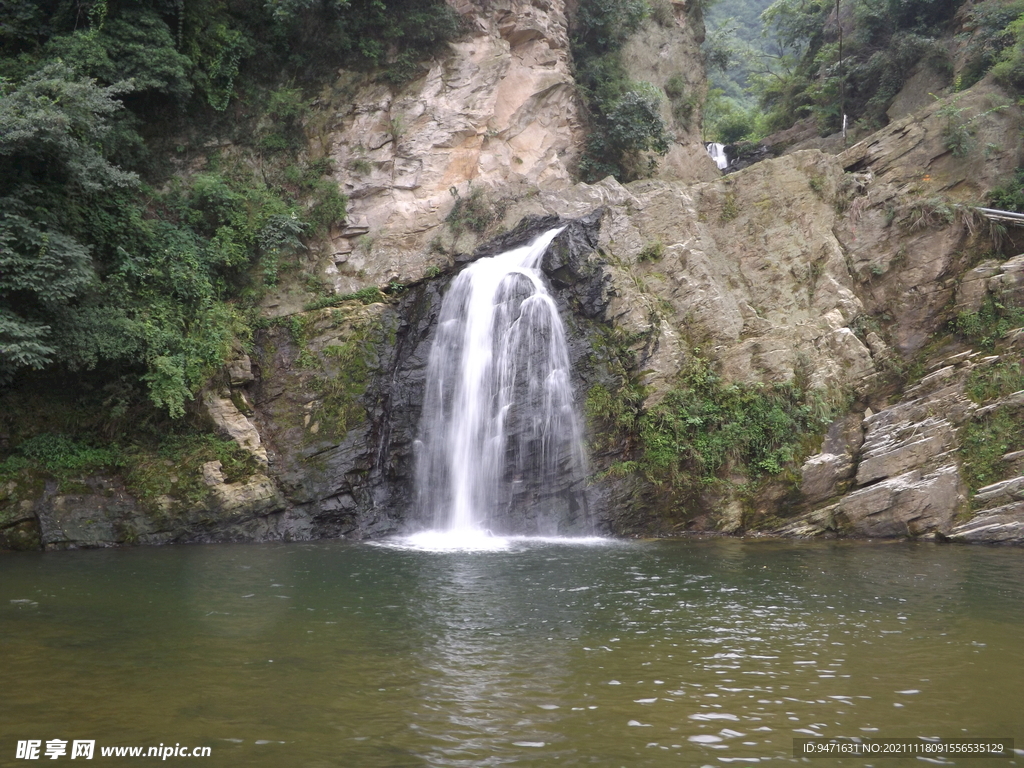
[
  {"x": 19, "y": 526},
  {"x": 572, "y": 265}
]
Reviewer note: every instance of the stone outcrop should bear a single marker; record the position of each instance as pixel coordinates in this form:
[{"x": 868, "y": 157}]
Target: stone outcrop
[
  {"x": 998, "y": 509},
  {"x": 908, "y": 471},
  {"x": 732, "y": 274},
  {"x": 911, "y": 504},
  {"x": 995, "y": 525},
  {"x": 663, "y": 52},
  {"x": 101, "y": 512},
  {"x": 902, "y": 478},
  {"x": 224, "y": 409},
  {"x": 499, "y": 113}
]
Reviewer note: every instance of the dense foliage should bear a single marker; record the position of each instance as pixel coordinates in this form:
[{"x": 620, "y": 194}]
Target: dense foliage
[
  {"x": 795, "y": 70},
  {"x": 705, "y": 427},
  {"x": 104, "y": 262},
  {"x": 625, "y": 115}
]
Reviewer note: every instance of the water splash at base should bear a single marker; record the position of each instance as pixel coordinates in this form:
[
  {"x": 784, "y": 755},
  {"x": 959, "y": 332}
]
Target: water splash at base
[{"x": 482, "y": 541}]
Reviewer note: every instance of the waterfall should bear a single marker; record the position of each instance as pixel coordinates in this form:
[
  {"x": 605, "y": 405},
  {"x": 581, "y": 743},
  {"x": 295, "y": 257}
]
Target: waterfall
[
  {"x": 717, "y": 152},
  {"x": 500, "y": 448}
]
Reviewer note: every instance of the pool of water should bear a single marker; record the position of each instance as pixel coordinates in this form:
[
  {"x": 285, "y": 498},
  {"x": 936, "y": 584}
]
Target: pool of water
[{"x": 680, "y": 653}]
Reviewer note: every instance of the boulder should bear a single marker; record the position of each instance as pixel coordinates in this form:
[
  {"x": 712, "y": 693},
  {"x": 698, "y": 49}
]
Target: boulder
[{"x": 913, "y": 504}]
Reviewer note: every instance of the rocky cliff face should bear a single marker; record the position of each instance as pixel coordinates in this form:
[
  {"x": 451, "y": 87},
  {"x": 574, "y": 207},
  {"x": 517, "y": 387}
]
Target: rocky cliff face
[
  {"x": 499, "y": 116},
  {"x": 500, "y": 113},
  {"x": 838, "y": 274}
]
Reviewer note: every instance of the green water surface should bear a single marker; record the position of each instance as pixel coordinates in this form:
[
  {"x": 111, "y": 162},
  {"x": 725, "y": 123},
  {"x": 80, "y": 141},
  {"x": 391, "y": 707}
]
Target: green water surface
[{"x": 615, "y": 654}]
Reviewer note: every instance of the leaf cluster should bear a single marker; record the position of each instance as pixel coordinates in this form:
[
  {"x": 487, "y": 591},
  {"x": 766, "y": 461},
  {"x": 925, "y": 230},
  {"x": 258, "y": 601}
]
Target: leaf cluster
[
  {"x": 96, "y": 268},
  {"x": 705, "y": 425},
  {"x": 990, "y": 324},
  {"x": 796, "y": 71},
  {"x": 626, "y": 129}
]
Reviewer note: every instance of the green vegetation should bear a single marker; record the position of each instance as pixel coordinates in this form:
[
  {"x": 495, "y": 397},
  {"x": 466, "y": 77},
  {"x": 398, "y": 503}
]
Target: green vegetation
[
  {"x": 474, "y": 213},
  {"x": 341, "y": 369},
  {"x": 1010, "y": 196},
  {"x": 734, "y": 34},
  {"x": 729, "y": 208},
  {"x": 794, "y": 70},
  {"x": 997, "y": 380},
  {"x": 154, "y": 184},
  {"x": 997, "y": 43},
  {"x": 705, "y": 424},
  {"x": 958, "y": 132},
  {"x": 625, "y": 116},
  {"x": 984, "y": 443},
  {"x": 107, "y": 260},
  {"x": 705, "y": 427},
  {"x": 989, "y": 324},
  {"x": 369, "y": 295},
  {"x": 67, "y": 434},
  {"x": 651, "y": 252}
]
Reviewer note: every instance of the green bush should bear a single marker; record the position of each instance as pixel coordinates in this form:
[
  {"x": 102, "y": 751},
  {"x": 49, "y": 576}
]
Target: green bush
[
  {"x": 625, "y": 116},
  {"x": 989, "y": 324},
  {"x": 998, "y": 380},
  {"x": 985, "y": 442},
  {"x": 800, "y": 74},
  {"x": 473, "y": 212},
  {"x": 705, "y": 425},
  {"x": 1010, "y": 196}
]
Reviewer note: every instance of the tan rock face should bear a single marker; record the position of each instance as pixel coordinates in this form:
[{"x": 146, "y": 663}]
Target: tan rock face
[
  {"x": 913, "y": 504},
  {"x": 232, "y": 423},
  {"x": 749, "y": 272},
  {"x": 665, "y": 52},
  {"x": 500, "y": 111},
  {"x": 904, "y": 231}
]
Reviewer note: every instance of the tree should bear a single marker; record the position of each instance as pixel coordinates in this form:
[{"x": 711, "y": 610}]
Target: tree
[{"x": 52, "y": 132}]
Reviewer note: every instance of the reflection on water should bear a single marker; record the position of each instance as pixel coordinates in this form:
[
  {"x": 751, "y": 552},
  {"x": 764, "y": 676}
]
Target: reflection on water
[{"x": 621, "y": 653}]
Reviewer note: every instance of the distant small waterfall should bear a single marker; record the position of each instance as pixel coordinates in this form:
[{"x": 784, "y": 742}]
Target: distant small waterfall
[
  {"x": 500, "y": 446},
  {"x": 717, "y": 152}
]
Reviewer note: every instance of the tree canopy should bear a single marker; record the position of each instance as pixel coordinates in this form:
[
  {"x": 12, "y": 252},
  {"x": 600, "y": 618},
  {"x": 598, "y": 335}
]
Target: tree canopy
[{"x": 108, "y": 260}]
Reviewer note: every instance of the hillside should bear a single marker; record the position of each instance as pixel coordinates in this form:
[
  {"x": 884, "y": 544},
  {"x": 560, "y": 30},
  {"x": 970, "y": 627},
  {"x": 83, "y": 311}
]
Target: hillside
[{"x": 219, "y": 284}]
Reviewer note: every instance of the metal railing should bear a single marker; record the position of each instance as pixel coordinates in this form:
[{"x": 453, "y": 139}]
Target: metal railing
[{"x": 1009, "y": 217}]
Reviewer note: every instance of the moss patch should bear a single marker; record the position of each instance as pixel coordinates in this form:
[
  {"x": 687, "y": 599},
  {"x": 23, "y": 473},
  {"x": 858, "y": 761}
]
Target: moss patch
[
  {"x": 342, "y": 367},
  {"x": 705, "y": 429},
  {"x": 991, "y": 323},
  {"x": 985, "y": 442}
]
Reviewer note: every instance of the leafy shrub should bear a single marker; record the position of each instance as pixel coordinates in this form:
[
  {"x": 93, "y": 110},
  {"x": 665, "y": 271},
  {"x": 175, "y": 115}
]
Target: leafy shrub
[
  {"x": 998, "y": 380},
  {"x": 705, "y": 425},
  {"x": 985, "y": 442},
  {"x": 1010, "y": 196},
  {"x": 989, "y": 324},
  {"x": 474, "y": 213},
  {"x": 651, "y": 252},
  {"x": 625, "y": 116},
  {"x": 801, "y": 74},
  {"x": 1009, "y": 67}
]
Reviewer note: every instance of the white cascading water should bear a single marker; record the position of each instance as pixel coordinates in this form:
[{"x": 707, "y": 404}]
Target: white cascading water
[
  {"x": 717, "y": 152},
  {"x": 499, "y": 428}
]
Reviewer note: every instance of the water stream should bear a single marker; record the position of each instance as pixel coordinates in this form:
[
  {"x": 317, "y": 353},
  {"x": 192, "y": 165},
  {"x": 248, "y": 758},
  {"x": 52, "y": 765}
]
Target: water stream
[
  {"x": 717, "y": 152},
  {"x": 500, "y": 449}
]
